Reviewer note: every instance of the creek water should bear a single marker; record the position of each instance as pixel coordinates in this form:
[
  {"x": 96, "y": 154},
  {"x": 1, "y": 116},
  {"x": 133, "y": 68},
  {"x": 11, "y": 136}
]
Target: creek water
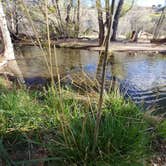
[{"x": 141, "y": 76}]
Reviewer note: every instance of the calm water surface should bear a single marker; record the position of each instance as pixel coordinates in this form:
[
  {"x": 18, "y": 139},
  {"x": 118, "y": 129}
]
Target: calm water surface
[{"x": 142, "y": 77}]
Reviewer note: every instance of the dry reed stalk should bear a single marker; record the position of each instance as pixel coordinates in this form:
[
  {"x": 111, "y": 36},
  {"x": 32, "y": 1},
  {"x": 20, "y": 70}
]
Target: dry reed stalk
[{"x": 100, "y": 103}]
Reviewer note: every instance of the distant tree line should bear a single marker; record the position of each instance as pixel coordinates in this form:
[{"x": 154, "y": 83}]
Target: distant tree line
[{"x": 65, "y": 17}]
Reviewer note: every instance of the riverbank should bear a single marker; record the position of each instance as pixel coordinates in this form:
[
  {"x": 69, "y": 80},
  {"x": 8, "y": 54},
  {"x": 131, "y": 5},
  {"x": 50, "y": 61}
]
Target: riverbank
[
  {"x": 51, "y": 126},
  {"x": 92, "y": 44},
  {"x": 123, "y": 46}
]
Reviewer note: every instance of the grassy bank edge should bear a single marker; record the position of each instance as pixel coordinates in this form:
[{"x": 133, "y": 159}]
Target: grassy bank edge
[{"x": 42, "y": 127}]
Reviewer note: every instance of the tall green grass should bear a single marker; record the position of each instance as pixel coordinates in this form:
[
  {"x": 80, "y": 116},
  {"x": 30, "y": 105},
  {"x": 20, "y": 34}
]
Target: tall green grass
[
  {"x": 60, "y": 127},
  {"x": 31, "y": 120}
]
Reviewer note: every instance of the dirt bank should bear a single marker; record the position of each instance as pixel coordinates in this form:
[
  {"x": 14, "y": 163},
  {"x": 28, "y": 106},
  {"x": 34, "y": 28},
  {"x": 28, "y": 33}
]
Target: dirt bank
[{"x": 114, "y": 46}]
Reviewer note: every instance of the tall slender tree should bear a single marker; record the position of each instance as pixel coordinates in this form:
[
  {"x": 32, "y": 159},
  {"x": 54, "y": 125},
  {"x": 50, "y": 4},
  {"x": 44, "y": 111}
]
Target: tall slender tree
[
  {"x": 58, "y": 14},
  {"x": 100, "y": 22},
  {"x": 116, "y": 19},
  {"x": 68, "y": 19},
  {"x": 107, "y": 10},
  {"x": 8, "y": 47},
  {"x": 78, "y": 18},
  {"x": 8, "y": 52}
]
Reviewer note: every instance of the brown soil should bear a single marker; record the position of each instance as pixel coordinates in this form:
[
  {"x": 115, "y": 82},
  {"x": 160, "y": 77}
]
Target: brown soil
[{"x": 159, "y": 159}]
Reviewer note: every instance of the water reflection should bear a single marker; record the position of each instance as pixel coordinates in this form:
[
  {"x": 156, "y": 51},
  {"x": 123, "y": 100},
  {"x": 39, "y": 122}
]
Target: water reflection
[{"x": 141, "y": 77}]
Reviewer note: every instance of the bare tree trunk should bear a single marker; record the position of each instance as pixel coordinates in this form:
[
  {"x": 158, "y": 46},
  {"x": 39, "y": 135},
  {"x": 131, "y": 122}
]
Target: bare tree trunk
[
  {"x": 2, "y": 48},
  {"x": 58, "y": 10},
  {"x": 8, "y": 47},
  {"x": 59, "y": 17},
  {"x": 68, "y": 11},
  {"x": 78, "y": 18},
  {"x": 116, "y": 19},
  {"x": 8, "y": 50},
  {"x": 16, "y": 19},
  {"x": 100, "y": 21},
  {"x": 107, "y": 9},
  {"x": 159, "y": 24},
  {"x": 134, "y": 36}
]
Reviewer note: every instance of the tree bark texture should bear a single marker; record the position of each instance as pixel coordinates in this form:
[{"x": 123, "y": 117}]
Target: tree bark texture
[
  {"x": 100, "y": 22},
  {"x": 116, "y": 19},
  {"x": 8, "y": 47}
]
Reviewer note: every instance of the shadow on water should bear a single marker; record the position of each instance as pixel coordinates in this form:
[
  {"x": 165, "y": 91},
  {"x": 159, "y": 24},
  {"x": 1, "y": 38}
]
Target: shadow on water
[{"x": 140, "y": 77}]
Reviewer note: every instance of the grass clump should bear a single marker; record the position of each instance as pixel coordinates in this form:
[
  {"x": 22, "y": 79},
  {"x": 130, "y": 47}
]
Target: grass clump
[
  {"x": 19, "y": 110},
  {"x": 161, "y": 129},
  {"x": 61, "y": 130},
  {"x": 122, "y": 139}
]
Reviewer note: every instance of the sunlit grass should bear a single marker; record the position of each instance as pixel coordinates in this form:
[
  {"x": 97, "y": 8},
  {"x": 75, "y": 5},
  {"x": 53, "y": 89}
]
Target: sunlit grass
[
  {"x": 56, "y": 126},
  {"x": 64, "y": 128}
]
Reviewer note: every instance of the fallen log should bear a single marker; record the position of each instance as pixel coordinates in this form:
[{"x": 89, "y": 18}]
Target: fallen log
[{"x": 158, "y": 41}]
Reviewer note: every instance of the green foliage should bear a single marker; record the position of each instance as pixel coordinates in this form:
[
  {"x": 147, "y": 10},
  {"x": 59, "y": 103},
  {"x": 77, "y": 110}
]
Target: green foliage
[
  {"x": 161, "y": 129},
  {"x": 18, "y": 110},
  {"x": 2, "y": 83},
  {"x": 65, "y": 128},
  {"x": 128, "y": 35},
  {"x": 127, "y": 7},
  {"x": 122, "y": 138}
]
